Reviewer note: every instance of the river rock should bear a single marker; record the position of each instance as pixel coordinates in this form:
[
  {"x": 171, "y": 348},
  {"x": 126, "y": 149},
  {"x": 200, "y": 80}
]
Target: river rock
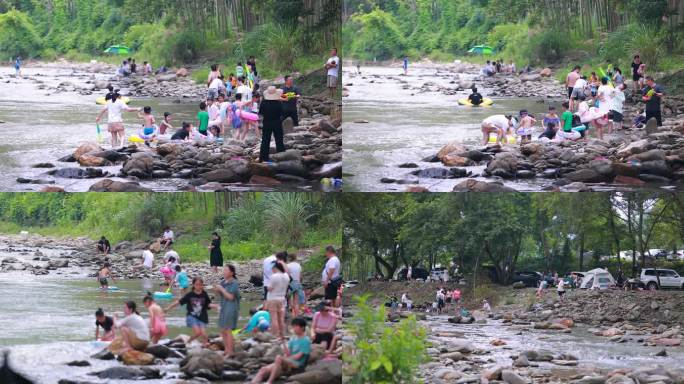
[
  {"x": 77, "y": 173},
  {"x": 133, "y": 357},
  {"x": 511, "y": 377},
  {"x": 290, "y": 154},
  {"x": 538, "y": 355},
  {"x": 43, "y": 165},
  {"x": 546, "y": 72},
  {"x": 86, "y": 148},
  {"x": 322, "y": 372},
  {"x": 182, "y": 72},
  {"x": 141, "y": 165},
  {"x": 88, "y": 160},
  {"x": 518, "y": 285},
  {"x": 453, "y": 147},
  {"x": 232, "y": 375},
  {"x": 78, "y": 363},
  {"x": 120, "y": 373},
  {"x": 521, "y": 361},
  {"x": 455, "y": 356},
  {"x": 108, "y": 185},
  {"x": 530, "y": 77},
  {"x": 504, "y": 165},
  {"x": 162, "y": 351},
  {"x": 104, "y": 354},
  {"x": 198, "y": 360},
  {"x": 472, "y": 185}
]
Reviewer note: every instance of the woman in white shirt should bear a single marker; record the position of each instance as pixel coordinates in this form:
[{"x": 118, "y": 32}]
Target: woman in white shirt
[
  {"x": 294, "y": 269},
  {"x": 133, "y": 330},
  {"x": 115, "y": 125},
  {"x": 275, "y": 298}
]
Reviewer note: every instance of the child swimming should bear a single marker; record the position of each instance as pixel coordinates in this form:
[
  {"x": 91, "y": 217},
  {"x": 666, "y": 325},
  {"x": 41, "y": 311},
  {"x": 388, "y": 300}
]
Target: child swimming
[
  {"x": 103, "y": 274},
  {"x": 149, "y": 131}
]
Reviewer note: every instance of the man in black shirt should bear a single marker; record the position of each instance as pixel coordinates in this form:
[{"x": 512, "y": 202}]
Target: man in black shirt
[
  {"x": 475, "y": 98},
  {"x": 183, "y": 133},
  {"x": 271, "y": 109},
  {"x": 652, "y": 95},
  {"x": 290, "y": 106},
  {"x": 103, "y": 246}
]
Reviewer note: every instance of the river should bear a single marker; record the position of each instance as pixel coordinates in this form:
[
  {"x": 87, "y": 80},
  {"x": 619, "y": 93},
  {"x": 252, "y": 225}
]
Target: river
[
  {"x": 50, "y": 319},
  {"x": 38, "y": 126}
]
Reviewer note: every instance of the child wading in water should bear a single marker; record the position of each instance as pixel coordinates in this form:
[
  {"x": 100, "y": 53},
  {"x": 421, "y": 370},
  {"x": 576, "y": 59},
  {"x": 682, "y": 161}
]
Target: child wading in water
[
  {"x": 107, "y": 324},
  {"x": 149, "y": 131},
  {"x": 157, "y": 320},
  {"x": 526, "y": 127},
  {"x": 102, "y": 276},
  {"x": 166, "y": 124}
]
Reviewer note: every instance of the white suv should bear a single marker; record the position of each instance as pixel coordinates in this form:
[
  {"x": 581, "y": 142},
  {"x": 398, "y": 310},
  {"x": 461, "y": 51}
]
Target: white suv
[{"x": 668, "y": 278}]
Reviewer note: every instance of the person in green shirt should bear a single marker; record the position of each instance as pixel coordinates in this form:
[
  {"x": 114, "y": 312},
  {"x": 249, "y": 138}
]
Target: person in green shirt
[
  {"x": 296, "y": 351},
  {"x": 203, "y": 117},
  {"x": 567, "y": 133}
]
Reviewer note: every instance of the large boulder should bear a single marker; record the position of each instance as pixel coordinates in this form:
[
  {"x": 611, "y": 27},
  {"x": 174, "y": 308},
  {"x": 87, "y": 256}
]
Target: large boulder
[
  {"x": 183, "y": 72},
  {"x": 546, "y": 72},
  {"x": 453, "y": 160},
  {"x": 88, "y": 160},
  {"x": 141, "y": 165},
  {"x": 199, "y": 361},
  {"x": 222, "y": 175},
  {"x": 86, "y": 148},
  {"x": 108, "y": 185},
  {"x": 133, "y": 357},
  {"x": 120, "y": 373},
  {"x": 451, "y": 148},
  {"x": 530, "y": 77},
  {"x": 322, "y": 372},
  {"x": 504, "y": 164},
  {"x": 169, "y": 148}
]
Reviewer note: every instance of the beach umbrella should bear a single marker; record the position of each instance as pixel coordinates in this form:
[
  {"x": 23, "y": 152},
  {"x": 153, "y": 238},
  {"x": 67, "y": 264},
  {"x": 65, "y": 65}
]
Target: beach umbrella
[
  {"x": 481, "y": 50},
  {"x": 118, "y": 49}
]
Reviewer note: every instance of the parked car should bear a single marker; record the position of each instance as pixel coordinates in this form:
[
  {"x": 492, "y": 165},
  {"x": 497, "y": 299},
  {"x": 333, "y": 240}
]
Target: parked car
[
  {"x": 668, "y": 278},
  {"x": 439, "y": 274},
  {"x": 529, "y": 278},
  {"x": 416, "y": 274}
]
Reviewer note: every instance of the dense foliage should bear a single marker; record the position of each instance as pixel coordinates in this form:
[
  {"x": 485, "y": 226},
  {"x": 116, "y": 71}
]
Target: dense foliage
[
  {"x": 382, "y": 354},
  {"x": 545, "y": 232},
  {"x": 529, "y": 32},
  {"x": 251, "y": 224},
  {"x": 169, "y": 32}
]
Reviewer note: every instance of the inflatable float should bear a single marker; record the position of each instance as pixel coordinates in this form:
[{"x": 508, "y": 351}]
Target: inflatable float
[
  {"x": 485, "y": 102},
  {"x": 510, "y": 139},
  {"x": 162, "y": 295},
  {"x": 135, "y": 139},
  {"x": 111, "y": 288},
  {"x": 101, "y": 100}
]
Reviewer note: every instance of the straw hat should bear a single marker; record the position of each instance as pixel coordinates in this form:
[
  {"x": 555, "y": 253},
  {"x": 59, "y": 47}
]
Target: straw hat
[{"x": 272, "y": 93}]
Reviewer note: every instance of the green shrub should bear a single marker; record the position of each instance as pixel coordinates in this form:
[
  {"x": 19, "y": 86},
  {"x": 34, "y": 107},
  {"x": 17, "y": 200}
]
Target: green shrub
[
  {"x": 18, "y": 36},
  {"x": 286, "y": 216},
  {"x": 548, "y": 46},
  {"x": 381, "y": 353}
]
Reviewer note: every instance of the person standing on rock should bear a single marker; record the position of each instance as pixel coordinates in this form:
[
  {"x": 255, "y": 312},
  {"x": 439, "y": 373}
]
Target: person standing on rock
[
  {"x": 636, "y": 76},
  {"x": 652, "y": 96},
  {"x": 297, "y": 298},
  {"x": 406, "y": 60},
  {"x": 616, "y": 109},
  {"x": 331, "y": 276},
  {"x": 291, "y": 95},
  {"x": 114, "y": 118},
  {"x": 215, "y": 254},
  {"x": 276, "y": 298},
  {"x": 570, "y": 81},
  {"x": 103, "y": 246},
  {"x": 229, "y": 298},
  {"x": 498, "y": 124},
  {"x": 272, "y": 111},
  {"x": 197, "y": 303},
  {"x": 332, "y": 65},
  {"x": 560, "y": 288}
]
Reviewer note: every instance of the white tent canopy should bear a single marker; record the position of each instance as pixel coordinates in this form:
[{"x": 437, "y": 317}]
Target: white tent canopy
[{"x": 597, "y": 279}]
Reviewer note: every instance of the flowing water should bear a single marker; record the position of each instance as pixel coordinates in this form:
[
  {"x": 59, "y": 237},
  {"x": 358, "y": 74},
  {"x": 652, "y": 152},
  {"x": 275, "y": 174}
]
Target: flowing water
[
  {"x": 49, "y": 320},
  {"x": 39, "y": 126},
  {"x": 405, "y": 126},
  {"x": 592, "y": 351}
]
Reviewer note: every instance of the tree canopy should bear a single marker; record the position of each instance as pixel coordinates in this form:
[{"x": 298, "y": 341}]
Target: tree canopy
[{"x": 504, "y": 233}]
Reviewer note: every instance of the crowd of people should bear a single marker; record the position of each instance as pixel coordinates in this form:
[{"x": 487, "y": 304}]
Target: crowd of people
[
  {"x": 283, "y": 298},
  {"x": 234, "y": 106},
  {"x": 592, "y": 102}
]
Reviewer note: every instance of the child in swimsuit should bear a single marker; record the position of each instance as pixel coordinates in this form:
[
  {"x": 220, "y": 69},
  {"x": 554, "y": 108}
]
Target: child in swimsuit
[
  {"x": 102, "y": 276},
  {"x": 149, "y": 131},
  {"x": 526, "y": 126},
  {"x": 166, "y": 124},
  {"x": 106, "y": 323},
  {"x": 157, "y": 320}
]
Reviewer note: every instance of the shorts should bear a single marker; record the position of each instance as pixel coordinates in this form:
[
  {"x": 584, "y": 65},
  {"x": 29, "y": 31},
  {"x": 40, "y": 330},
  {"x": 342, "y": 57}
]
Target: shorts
[
  {"x": 115, "y": 127},
  {"x": 192, "y": 321},
  {"x": 212, "y": 93},
  {"x": 576, "y": 93},
  {"x": 331, "y": 290},
  {"x": 296, "y": 289},
  {"x": 440, "y": 304},
  {"x": 636, "y": 77},
  {"x": 527, "y": 131},
  {"x": 448, "y": 300},
  {"x": 276, "y": 306},
  {"x": 561, "y": 293},
  {"x": 593, "y": 91},
  {"x": 570, "y": 91},
  {"x": 203, "y": 133},
  {"x": 321, "y": 337},
  {"x": 103, "y": 281},
  {"x": 616, "y": 116},
  {"x": 332, "y": 81}
]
